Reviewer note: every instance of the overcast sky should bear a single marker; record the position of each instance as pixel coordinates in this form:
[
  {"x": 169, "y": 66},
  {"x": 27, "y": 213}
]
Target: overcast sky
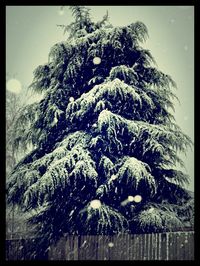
[{"x": 31, "y": 31}]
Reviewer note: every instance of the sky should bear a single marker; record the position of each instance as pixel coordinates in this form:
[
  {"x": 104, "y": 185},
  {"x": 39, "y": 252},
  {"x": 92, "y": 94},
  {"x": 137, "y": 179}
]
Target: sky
[{"x": 32, "y": 30}]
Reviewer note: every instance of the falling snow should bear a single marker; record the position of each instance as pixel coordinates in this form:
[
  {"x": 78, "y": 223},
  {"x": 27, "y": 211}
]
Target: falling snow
[
  {"x": 100, "y": 148},
  {"x": 111, "y": 244},
  {"x": 14, "y": 86},
  {"x": 95, "y": 204},
  {"x": 131, "y": 198},
  {"x": 97, "y": 60},
  {"x": 137, "y": 198},
  {"x": 71, "y": 99},
  {"x": 94, "y": 125}
]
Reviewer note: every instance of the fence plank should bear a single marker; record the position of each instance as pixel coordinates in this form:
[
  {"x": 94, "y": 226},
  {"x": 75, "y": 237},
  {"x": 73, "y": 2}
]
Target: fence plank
[
  {"x": 159, "y": 246},
  {"x": 172, "y": 246},
  {"x": 103, "y": 251},
  {"x": 90, "y": 247},
  {"x": 182, "y": 246},
  {"x": 191, "y": 246},
  {"x": 82, "y": 246},
  {"x": 153, "y": 246}
]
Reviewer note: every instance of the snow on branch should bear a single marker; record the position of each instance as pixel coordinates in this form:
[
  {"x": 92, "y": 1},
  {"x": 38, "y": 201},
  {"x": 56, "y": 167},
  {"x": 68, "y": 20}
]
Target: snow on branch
[
  {"x": 23, "y": 133},
  {"x": 139, "y": 30},
  {"x": 124, "y": 73},
  {"x": 153, "y": 219},
  {"x": 62, "y": 50},
  {"x": 74, "y": 168},
  {"x": 133, "y": 171},
  {"x": 106, "y": 166},
  {"x": 102, "y": 135},
  {"x": 67, "y": 163},
  {"x": 103, "y": 220},
  {"x": 108, "y": 95},
  {"x": 160, "y": 139},
  {"x": 104, "y": 20},
  {"x": 175, "y": 176},
  {"x": 41, "y": 79}
]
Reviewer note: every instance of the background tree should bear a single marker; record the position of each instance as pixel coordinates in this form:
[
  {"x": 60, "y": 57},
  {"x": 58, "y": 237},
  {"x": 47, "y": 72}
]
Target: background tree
[
  {"x": 105, "y": 142},
  {"x": 16, "y": 100},
  {"x": 12, "y": 106}
]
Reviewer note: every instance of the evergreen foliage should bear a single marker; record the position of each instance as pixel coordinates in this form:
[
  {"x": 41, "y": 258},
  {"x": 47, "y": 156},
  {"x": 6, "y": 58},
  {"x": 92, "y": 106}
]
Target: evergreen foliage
[{"x": 102, "y": 132}]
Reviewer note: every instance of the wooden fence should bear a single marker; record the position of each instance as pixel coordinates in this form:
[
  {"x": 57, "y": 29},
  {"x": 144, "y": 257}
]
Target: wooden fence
[{"x": 160, "y": 246}]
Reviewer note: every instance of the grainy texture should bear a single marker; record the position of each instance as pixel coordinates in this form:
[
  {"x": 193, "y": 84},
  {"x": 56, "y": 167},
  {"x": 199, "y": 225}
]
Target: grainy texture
[{"x": 165, "y": 246}]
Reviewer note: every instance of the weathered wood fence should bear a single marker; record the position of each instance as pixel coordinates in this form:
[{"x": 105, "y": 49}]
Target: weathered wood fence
[{"x": 160, "y": 246}]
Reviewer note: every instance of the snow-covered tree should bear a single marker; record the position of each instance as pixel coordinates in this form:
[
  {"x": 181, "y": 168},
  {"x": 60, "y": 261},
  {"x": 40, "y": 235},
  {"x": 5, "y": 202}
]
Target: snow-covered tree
[
  {"x": 105, "y": 142},
  {"x": 12, "y": 106},
  {"x": 15, "y": 102}
]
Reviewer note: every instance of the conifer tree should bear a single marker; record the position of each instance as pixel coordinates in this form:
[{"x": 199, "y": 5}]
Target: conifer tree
[
  {"x": 105, "y": 142},
  {"x": 12, "y": 104}
]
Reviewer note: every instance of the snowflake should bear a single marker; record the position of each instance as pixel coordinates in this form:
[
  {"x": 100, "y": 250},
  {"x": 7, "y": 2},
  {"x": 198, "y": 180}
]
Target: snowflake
[
  {"x": 96, "y": 60},
  {"x": 110, "y": 244},
  {"x": 94, "y": 125},
  {"x": 71, "y": 99},
  {"x": 137, "y": 198},
  {"x": 131, "y": 198},
  {"x": 71, "y": 212},
  {"x": 95, "y": 204},
  {"x": 14, "y": 86}
]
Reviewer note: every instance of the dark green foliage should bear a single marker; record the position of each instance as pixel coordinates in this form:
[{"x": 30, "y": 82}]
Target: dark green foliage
[{"x": 102, "y": 132}]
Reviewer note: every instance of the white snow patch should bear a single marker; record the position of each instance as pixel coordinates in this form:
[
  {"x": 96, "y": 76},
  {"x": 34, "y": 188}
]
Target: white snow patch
[
  {"x": 71, "y": 99},
  {"x": 113, "y": 177},
  {"x": 14, "y": 86},
  {"x": 131, "y": 198},
  {"x": 95, "y": 204},
  {"x": 96, "y": 60},
  {"x": 111, "y": 244},
  {"x": 151, "y": 210},
  {"x": 137, "y": 198}
]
